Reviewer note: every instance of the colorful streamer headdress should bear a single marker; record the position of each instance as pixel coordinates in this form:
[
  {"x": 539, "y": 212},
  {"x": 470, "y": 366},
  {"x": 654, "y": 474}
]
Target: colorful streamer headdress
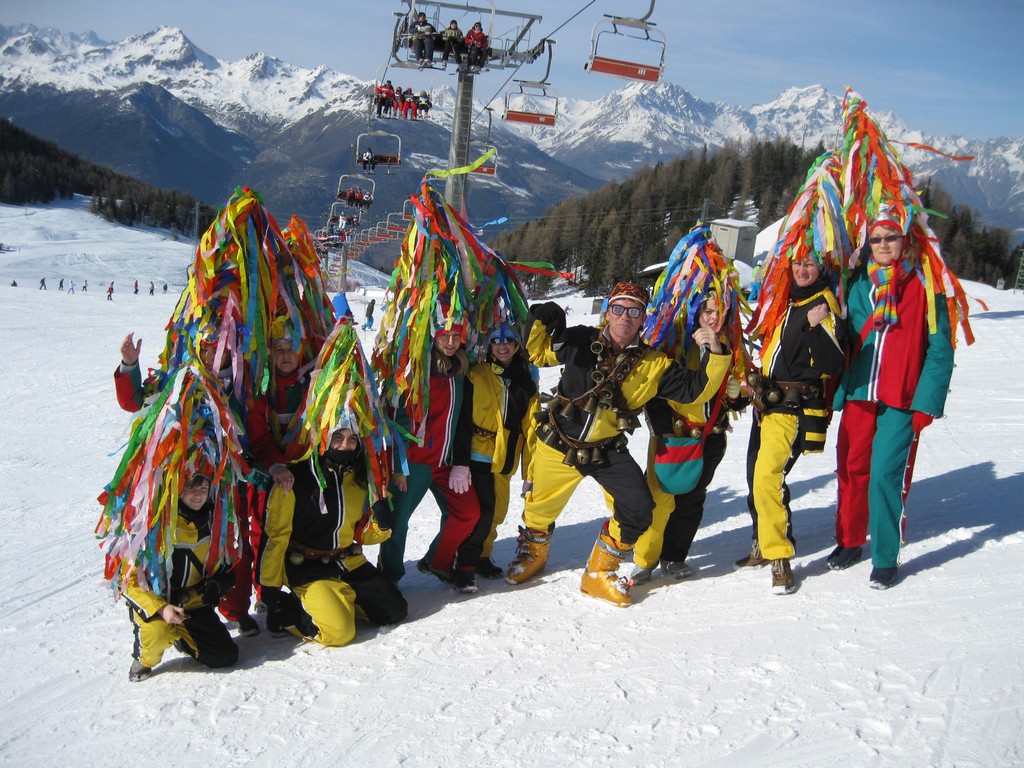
[
  {"x": 302, "y": 295},
  {"x": 813, "y": 228},
  {"x": 227, "y": 297},
  {"x": 343, "y": 389},
  {"x": 431, "y": 289},
  {"x": 876, "y": 184},
  {"x": 697, "y": 272},
  {"x": 445, "y": 275},
  {"x": 246, "y": 272},
  {"x": 189, "y": 429}
]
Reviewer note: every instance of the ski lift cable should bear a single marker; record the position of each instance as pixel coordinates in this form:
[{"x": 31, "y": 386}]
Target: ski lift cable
[{"x": 504, "y": 85}]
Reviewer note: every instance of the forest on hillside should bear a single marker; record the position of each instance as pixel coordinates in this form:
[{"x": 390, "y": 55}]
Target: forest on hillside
[
  {"x": 33, "y": 170},
  {"x": 617, "y": 230},
  {"x": 604, "y": 236}
]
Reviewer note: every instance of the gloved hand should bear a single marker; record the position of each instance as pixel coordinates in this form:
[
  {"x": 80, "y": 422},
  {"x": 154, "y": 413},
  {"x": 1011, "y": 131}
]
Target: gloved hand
[
  {"x": 271, "y": 597},
  {"x": 369, "y": 531},
  {"x": 212, "y": 592},
  {"x": 732, "y": 388},
  {"x": 551, "y": 315},
  {"x": 458, "y": 479},
  {"x": 279, "y": 618},
  {"x": 383, "y": 514},
  {"x": 527, "y": 487},
  {"x": 921, "y": 420}
]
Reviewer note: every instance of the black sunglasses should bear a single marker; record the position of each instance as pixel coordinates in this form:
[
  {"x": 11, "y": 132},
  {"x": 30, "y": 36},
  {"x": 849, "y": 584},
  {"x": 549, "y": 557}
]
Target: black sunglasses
[
  {"x": 618, "y": 309},
  {"x": 887, "y": 238}
]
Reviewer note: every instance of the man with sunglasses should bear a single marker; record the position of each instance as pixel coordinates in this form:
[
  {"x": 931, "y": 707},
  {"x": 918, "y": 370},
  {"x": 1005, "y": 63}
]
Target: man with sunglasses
[
  {"x": 608, "y": 374},
  {"x": 897, "y": 383}
]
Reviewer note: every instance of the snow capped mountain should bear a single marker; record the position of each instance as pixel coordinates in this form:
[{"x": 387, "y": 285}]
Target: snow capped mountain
[
  {"x": 272, "y": 90},
  {"x": 260, "y": 104},
  {"x": 663, "y": 116},
  {"x": 798, "y": 109},
  {"x": 643, "y": 123}
]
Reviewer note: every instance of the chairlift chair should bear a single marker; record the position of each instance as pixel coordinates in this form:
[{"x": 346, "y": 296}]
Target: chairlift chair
[
  {"x": 643, "y": 30},
  {"x": 490, "y": 167},
  {"x": 403, "y": 44},
  {"x": 337, "y": 212},
  {"x": 508, "y": 47},
  {"x": 393, "y": 145},
  {"x": 347, "y": 180},
  {"x": 536, "y": 103},
  {"x": 373, "y": 234},
  {"x": 398, "y": 224},
  {"x": 483, "y": 146}
]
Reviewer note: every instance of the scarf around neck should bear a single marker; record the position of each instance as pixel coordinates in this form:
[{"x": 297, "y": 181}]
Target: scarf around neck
[{"x": 886, "y": 281}]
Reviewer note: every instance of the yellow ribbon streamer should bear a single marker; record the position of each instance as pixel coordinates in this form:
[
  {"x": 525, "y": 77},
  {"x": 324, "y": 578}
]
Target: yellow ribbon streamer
[{"x": 464, "y": 169}]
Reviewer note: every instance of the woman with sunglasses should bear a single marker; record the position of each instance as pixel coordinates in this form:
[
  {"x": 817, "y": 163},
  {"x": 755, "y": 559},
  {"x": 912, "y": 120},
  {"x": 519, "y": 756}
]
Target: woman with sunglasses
[
  {"x": 897, "y": 383},
  {"x": 802, "y": 349},
  {"x": 504, "y": 399}
]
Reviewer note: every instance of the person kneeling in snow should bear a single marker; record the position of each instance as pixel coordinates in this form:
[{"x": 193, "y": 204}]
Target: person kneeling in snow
[
  {"x": 185, "y": 618},
  {"x": 312, "y": 542}
]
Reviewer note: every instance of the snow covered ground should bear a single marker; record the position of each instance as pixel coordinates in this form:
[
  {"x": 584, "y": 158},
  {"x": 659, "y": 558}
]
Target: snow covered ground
[{"x": 712, "y": 671}]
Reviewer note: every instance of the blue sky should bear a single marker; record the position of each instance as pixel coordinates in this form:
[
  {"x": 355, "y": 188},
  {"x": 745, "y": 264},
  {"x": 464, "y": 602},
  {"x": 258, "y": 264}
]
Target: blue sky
[{"x": 948, "y": 67}]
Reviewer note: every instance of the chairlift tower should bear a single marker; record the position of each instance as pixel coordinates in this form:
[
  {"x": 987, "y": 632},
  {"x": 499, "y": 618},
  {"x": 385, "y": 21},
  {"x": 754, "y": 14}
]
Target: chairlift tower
[{"x": 508, "y": 49}]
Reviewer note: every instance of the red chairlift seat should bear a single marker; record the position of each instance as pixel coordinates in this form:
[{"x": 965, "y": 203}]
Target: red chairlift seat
[
  {"x": 645, "y": 32},
  {"x": 387, "y": 158},
  {"x": 533, "y": 118},
  {"x": 490, "y": 167},
  {"x": 602, "y": 65},
  {"x": 536, "y": 103}
]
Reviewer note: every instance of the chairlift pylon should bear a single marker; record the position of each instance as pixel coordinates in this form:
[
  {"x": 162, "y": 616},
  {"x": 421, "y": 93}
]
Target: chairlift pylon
[{"x": 601, "y": 64}]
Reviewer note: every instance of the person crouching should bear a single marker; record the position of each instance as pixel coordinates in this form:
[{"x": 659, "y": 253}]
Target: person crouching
[
  {"x": 185, "y": 617},
  {"x": 312, "y": 543}
]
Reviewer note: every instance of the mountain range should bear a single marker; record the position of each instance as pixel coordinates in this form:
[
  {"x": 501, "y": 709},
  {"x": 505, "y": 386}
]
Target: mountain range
[{"x": 158, "y": 108}]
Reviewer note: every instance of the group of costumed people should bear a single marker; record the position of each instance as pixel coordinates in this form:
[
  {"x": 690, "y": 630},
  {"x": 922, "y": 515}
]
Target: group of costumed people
[
  {"x": 258, "y": 461},
  {"x": 857, "y": 313},
  {"x": 269, "y": 450}
]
